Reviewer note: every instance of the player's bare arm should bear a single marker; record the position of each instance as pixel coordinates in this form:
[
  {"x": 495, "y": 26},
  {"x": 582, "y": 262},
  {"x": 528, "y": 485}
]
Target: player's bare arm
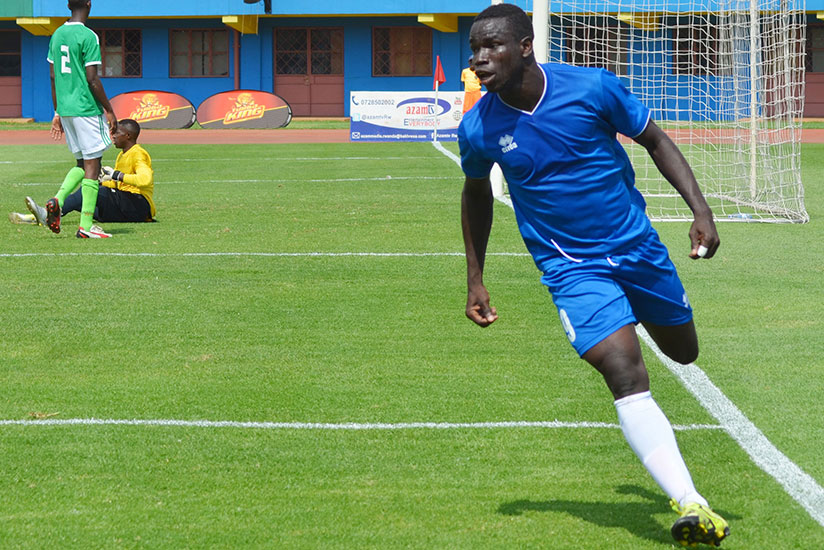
[
  {"x": 673, "y": 166},
  {"x": 476, "y": 222},
  {"x": 96, "y": 86}
]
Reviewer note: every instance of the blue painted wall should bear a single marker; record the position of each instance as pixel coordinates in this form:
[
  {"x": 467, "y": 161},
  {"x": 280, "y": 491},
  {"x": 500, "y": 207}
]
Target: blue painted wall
[
  {"x": 156, "y": 61},
  {"x": 256, "y": 63},
  {"x": 213, "y": 8},
  {"x": 36, "y": 84},
  {"x": 157, "y": 17},
  {"x": 216, "y": 8}
]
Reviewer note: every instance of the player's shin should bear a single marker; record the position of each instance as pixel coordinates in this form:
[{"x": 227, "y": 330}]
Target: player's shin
[
  {"x": 649, "y": 433},
  {"x": 89, "y": 192},
  {"x": 70, "y": 183}
]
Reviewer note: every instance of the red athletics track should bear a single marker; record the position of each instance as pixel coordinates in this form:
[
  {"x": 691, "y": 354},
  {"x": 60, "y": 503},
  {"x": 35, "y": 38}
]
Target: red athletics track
[
  {"x": 174, "y": 137},
  {"x": 228, "y": 137}
]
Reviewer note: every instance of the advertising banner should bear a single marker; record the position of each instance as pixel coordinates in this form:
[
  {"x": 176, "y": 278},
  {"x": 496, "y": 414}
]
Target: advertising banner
[
  {"x": 154, "y": 109},
  {"x": 244, "y": 109},
  {"x": 404, "y": 116}
]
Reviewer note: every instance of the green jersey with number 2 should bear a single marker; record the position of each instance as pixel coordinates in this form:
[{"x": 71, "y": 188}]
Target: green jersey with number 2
[{"x": 72, "y": 48}]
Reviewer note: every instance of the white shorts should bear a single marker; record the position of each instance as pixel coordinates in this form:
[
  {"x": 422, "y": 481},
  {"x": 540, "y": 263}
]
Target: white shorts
[{"x": 87, "y": 136}]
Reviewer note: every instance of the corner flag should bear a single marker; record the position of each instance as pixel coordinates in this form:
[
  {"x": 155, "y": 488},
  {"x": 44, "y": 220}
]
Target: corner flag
[{"x": 439, "y": 76}]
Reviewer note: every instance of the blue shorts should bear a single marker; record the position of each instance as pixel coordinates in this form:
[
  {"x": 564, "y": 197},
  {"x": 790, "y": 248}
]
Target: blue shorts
[{"x": 596, "y": 297}]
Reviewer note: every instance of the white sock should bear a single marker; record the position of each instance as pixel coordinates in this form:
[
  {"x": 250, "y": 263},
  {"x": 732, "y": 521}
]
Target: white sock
[{"x": 650, "y": 435}]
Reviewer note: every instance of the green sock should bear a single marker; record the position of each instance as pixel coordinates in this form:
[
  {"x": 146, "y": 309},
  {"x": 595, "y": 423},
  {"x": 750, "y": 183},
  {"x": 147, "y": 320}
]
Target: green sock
[
  {"x": 70, "y": 183},
  {"x": 89, "y": 191}
]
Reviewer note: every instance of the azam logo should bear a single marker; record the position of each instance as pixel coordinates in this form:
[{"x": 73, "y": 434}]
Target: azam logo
[{"x": 507, "y": 143}]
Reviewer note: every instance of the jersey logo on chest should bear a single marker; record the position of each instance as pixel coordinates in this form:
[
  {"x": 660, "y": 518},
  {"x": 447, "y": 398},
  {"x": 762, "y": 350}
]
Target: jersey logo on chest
[{"x": 507, "y": 143}]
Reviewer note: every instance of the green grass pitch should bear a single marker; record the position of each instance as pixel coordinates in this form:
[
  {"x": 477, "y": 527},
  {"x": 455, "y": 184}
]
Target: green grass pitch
[{"x": 325, "y": 284}]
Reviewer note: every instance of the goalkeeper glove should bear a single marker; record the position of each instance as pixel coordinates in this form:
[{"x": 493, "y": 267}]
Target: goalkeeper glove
[{"x": 108, "y": 174}]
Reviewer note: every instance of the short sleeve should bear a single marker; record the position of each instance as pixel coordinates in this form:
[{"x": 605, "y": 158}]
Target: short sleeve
[
  {"x": 91, "y": 50},
  {"x": 474, "y": 164},
  {"x": 621, "y": 108}
]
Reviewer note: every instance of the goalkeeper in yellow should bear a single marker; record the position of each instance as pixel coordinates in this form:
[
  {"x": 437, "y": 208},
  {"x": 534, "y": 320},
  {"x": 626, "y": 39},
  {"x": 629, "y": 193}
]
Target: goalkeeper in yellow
[{"x": 126, "y": 190}]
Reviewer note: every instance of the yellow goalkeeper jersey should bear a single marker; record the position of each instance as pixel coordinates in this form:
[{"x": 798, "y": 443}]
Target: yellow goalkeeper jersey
[{"x": 138, "y": 176}]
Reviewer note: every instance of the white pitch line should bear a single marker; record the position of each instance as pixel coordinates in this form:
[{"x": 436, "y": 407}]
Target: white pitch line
[
  {"x": 350, "y": 426},
  {"x": 456, "y": 159},
  {"x": 798, "y": 484},
  {"x": 449, "y": 154}
]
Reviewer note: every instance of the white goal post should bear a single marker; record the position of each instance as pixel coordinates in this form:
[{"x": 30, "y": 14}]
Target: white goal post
[{"x": 725, "y": 79}]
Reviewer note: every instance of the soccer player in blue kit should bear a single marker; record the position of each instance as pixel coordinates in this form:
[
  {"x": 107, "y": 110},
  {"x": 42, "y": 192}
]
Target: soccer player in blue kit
[{"x": 552, "y": 129}]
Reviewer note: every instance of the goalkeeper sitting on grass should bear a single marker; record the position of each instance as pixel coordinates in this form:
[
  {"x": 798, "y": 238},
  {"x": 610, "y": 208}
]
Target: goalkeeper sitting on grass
[{"x": 126, "y": 190}]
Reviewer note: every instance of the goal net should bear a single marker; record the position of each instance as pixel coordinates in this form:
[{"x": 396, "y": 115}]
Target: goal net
[{"x": 724, "y": 78}]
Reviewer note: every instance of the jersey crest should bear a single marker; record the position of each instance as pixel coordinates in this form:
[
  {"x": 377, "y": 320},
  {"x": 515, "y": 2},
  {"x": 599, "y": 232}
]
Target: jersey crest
[{"x": 507, "y": 143}]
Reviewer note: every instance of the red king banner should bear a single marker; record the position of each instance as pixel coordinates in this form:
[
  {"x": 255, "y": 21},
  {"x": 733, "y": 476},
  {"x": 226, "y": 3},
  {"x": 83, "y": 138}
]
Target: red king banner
[
  {"x": 154, "y": 109},
  {"x": 244, "y": 109}
]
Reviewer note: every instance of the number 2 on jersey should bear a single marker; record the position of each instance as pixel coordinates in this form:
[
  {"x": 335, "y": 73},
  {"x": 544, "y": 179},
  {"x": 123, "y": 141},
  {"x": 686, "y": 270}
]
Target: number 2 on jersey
[{"x": 64, "y": 60}]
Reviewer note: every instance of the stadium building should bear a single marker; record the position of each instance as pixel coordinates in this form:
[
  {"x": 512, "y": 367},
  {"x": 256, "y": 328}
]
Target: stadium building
[{"x": 313, "y": 53}]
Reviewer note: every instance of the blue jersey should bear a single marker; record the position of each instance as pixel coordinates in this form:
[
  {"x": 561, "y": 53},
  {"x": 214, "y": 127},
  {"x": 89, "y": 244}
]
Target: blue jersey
[{"x": 570, "y": 180}]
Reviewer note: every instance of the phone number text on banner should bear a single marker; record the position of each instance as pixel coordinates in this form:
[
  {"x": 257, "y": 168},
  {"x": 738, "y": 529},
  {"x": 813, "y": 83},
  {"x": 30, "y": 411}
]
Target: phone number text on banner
[{"x": 404, "y": 116}]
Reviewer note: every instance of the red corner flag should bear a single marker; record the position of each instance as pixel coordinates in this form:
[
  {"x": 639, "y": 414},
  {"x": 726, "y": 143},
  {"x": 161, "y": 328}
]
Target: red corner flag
[{"x": 439, "y": 77}]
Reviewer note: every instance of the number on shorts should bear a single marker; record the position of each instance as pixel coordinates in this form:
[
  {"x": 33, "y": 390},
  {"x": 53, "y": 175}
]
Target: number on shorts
[{"x": 64, "y": 60}]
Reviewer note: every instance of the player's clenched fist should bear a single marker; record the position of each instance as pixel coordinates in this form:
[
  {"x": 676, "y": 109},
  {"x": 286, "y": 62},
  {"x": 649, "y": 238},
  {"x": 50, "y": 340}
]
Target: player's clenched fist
[{"x": 478, "y": 309}]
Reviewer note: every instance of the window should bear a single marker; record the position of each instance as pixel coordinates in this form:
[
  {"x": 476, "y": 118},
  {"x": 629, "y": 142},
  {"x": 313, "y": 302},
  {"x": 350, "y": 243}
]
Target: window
[
  {"x": 401, "y": 51},
  {"x": 814, "y": 57},
  {"x": 600, "y": 45},
  {"x": 327, "y": 51},
  {"x": 121, "y": 52},
  {"x": 296, "y": 47},
  {"x": 9, "y": 53},
  {"x": 199, "y": 52},
  {"x": 290, "y": 51},
  {"x": 696, "y": 46}
]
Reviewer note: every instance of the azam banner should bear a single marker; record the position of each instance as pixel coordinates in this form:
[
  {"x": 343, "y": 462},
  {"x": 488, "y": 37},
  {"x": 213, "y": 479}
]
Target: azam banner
[{"x": 404, "y": 116}]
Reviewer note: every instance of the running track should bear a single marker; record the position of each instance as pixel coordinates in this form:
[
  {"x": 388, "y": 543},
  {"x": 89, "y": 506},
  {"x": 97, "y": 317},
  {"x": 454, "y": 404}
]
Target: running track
[{"x": 228, "y": 137}]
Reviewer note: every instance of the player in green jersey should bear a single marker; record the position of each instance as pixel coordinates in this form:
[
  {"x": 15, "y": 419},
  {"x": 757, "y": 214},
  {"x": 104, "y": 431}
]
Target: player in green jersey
[{"x": 80, "y": 104}]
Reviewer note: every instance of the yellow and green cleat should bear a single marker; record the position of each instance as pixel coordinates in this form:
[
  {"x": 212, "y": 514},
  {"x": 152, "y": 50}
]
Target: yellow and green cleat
[
  {"x": 18, "y": 218},
  {"x": 698, "y": 524}
]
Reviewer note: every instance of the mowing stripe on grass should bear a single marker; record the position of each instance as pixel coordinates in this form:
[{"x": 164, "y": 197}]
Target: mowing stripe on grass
[
  {"x": 253, "y": 254},
  {"x": 351, "y": 426},
  {"x": 233, "y": 159},
  {"x": 319, "y": 180},
  {"x": 798, "y": 484},
  {"x": 279, "y": 180}
]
